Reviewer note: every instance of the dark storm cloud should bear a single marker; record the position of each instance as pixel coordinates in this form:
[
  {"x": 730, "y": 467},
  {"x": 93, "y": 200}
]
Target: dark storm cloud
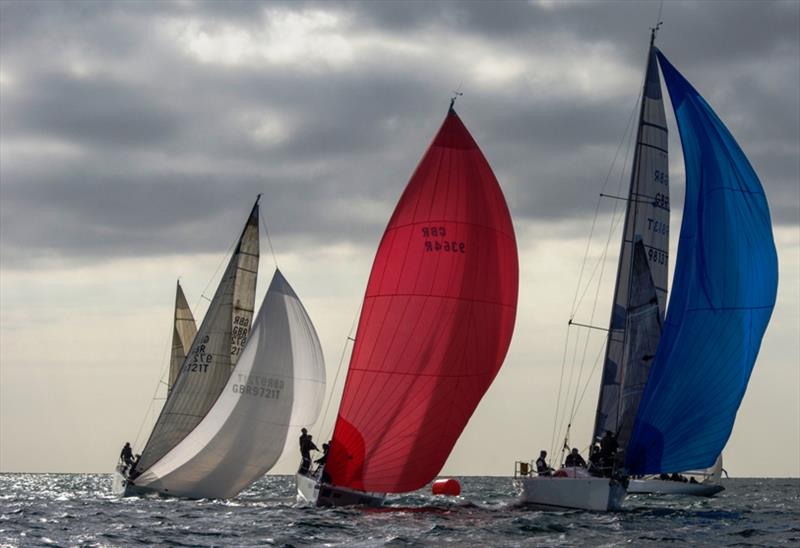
[{"x": 155, "y": 136}]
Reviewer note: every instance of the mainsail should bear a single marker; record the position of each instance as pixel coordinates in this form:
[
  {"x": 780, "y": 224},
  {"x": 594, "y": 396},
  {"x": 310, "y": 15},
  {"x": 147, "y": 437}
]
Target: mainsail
[
  {"x": 183, "y": 332},
  {"x": 214, "y": 352},
  {"x": 277, "y": 385},
  {"x": 631, "y": 345},
  {"x": 436, "y": 322},
  {"x": 722, "y": 297}
]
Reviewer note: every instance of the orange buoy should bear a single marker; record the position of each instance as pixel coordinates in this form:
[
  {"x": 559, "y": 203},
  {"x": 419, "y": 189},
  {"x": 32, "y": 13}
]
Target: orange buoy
[{"x": 448, "y": 486}]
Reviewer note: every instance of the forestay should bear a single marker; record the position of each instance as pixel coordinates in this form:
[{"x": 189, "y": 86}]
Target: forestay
[
  {"x": 435, "y": 325},
  {"x": 276, "y": 387},
  {"x": 183, "y": 332},
  {"x": 722, "y": 298},
  {"x": 214, "y": 352},
  {"x": 629, "y": 356}
]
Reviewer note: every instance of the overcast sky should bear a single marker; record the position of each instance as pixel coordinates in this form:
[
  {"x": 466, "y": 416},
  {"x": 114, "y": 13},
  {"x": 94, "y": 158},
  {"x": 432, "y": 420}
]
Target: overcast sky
[{"x": 134, "y": 137}]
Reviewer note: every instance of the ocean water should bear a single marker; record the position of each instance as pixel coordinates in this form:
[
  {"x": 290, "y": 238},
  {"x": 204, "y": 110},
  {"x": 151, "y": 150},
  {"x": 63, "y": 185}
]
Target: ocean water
[{"x": 79, "y": 510}]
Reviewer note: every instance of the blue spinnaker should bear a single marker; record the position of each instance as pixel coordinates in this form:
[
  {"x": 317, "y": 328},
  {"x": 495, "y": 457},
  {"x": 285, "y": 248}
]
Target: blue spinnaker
[{"x": 726, "y": 279}]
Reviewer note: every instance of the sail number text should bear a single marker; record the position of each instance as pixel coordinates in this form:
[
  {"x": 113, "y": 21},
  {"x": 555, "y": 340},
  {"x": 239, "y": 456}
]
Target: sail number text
[
  {"x": 661, "y": 177},
  {"x": 241, "y": 327},
  {"x": 656, "y": 255},
  {"x": 659, "y": 227},
  {"x": 258, "y": 385},
  {"x": 661, "y": 201},
  {"x": 440, "y": 244},
  {"x": 200, "y": 359}
]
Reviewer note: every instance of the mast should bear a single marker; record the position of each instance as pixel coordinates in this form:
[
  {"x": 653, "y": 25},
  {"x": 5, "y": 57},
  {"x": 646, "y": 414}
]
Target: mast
[{"x": 635, "y": 324}]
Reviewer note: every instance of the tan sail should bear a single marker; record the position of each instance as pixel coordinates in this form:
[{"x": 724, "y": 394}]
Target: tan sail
[{"x": 183, "y": 332}]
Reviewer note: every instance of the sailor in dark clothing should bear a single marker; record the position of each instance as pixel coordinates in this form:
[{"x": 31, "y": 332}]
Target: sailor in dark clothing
[
  {"x": 608, "y": 452},
  {"x": 595, "y": 461},
  {"x": 306, "y": 446},
  {"x": 324, "y": 458},
  {"x": 574, "y": 459},
  {"x": 126, "y": 455},
  {"x": 542, "y": 468}
]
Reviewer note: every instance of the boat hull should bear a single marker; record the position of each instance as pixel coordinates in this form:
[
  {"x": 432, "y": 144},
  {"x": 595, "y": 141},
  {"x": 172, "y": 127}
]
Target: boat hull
[
  {"x": 559, "y": 493},
  {"x": 666, "y": 487},
  {"x": 311, "y": 490},
  {"x": 121, "y": 487}
]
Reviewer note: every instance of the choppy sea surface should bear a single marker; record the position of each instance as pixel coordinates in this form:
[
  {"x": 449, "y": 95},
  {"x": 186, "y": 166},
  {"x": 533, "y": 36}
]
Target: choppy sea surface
[{"x": 79, "y": 510}]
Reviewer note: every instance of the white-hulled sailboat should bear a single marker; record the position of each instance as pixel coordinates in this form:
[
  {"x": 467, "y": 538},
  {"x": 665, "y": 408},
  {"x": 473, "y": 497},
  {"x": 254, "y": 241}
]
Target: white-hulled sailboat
[
  {"x": 699, "y": 483},
  {"x": 242, "y": 387},
  {"x": 671, "y": 385}
]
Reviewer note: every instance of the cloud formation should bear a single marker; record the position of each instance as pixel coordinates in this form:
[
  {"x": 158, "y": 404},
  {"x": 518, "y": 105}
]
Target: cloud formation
[{"x": 136, "y": 129}]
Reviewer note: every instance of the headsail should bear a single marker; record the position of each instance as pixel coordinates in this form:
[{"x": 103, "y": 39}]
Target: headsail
[
  {"x": 277, "y": 385},
  {"x": 647, "y": 222},
  {"x": 436, "y": 322},
  {"x": 726, "y": 279},
  {"x": 215, "y": 349},
  {"x": 183, "y": 332}
]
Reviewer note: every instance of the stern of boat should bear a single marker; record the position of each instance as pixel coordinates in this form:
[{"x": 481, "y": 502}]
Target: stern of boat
[
  {"x": 311, "y": 490},
  {"x": 578, "y": 493}
]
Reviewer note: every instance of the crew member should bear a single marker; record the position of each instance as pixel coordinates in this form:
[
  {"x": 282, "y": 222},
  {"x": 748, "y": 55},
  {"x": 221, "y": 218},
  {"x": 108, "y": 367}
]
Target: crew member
[
  {"x": 574, "y": 459},
  {"x": 542, "y": 468},
  {"x": 126, "y": 455}
]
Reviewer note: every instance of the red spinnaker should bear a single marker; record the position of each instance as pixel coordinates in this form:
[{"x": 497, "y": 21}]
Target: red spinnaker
[{"x": 436, "y": 322}]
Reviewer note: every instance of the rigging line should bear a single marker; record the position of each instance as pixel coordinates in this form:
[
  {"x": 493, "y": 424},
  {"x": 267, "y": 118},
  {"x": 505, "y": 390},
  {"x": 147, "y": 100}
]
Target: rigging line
[
  {"x": 626, "y": 136},
  {"x": 164, "y": 370},
  {"x": 213, "y": 277},
  {"x": 589, "y": 378},
  {"x": 591, "y": 316},
  {"x": 615, "y": 220},
  {"x": 269, "y": 239},
  {"x": 338, "y": 370},
  {"x": 560, "y": 385}
]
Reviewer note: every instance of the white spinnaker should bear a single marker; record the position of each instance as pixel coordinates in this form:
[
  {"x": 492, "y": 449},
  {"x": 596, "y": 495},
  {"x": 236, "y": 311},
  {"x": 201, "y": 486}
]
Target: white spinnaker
[{"x": 277, "y": 387}]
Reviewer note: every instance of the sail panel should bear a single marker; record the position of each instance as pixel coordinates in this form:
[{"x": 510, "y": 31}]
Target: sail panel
[
  {"x": 214, "y": 352},
  {"x": 277, "y": 387},
  {"x": 722, "y": 298},
  {"x": 436, "y": 322},
  {"x": 646, "y": 221},
  {"x": 183, "y": 332}
]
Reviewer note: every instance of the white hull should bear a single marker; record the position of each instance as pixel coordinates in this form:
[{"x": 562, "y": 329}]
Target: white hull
[
  {"x": 554, "y": 493},
  {"x": 667, "y": 487},
  {"x": 312, "y": 491}
]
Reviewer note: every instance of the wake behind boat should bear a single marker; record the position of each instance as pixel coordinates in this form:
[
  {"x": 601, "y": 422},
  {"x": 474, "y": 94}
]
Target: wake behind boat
[{"x": 435, "y": 326}]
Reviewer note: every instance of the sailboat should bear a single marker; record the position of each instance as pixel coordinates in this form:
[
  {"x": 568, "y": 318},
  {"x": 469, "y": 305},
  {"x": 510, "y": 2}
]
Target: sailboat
[
  {"x": 700, "y": 483},
  {"x": 435, "y": 326},
  {"x": 241, "y": 388},
  {"x": 672, "y": 384}
]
